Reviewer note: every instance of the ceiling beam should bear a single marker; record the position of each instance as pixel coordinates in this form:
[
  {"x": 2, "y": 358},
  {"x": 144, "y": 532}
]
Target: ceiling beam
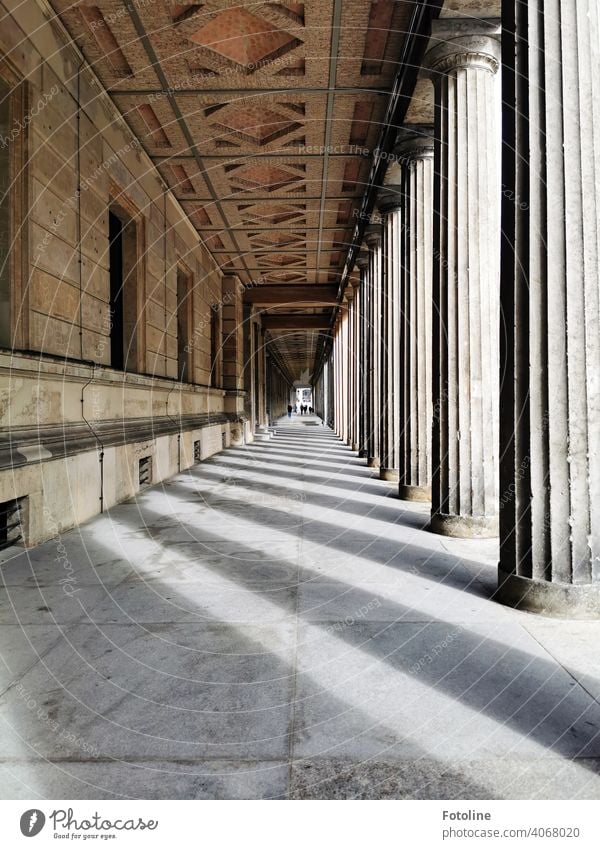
[
  {"x": 309, "y": 295},
  {"x": 296, "y": 322},
  {"x": 244, "y": 92}
]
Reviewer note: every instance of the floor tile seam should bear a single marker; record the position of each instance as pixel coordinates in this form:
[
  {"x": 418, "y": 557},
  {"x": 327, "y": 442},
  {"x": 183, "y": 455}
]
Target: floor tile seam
[{"x": 558, "y": 662}]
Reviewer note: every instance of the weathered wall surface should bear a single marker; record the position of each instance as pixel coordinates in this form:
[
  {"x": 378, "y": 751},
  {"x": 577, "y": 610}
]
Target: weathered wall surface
[{"x": 72, "y": 429}]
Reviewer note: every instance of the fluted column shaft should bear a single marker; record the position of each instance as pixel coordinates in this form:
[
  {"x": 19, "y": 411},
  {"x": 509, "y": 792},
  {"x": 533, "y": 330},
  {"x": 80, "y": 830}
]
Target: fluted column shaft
[
  {"x": 389, "y": 429},
  {"x": 373, "y": 238},
  {"x": 465, "y": 282},
  {"x": 550, "y": 296},
  {"x": 356, "y": 306},
  {"x": 351, "y": 364},
  {"x": 344, "y": 373},
  {"x": 415, "y": 150},
  {"x": 363, "y": 264}
]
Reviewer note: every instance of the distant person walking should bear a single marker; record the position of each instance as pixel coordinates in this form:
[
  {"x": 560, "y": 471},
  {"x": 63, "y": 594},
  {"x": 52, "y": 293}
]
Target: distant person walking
[{"x": 290, "y": 408}]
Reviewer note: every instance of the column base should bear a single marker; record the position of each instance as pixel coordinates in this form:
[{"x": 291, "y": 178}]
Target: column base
[
  {"x": 262, "y": 434},
  {"x": 466, "y": 527},
  {"x": 354, "y": 447},
  {"x": 373, "y": 462},
  {"x": 389, "y": 474},
  {"x": 569, "y": 601},
  {"x": 414, "y": 493}
]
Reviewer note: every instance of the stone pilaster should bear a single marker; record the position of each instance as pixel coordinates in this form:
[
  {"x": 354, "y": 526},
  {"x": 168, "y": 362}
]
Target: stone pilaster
[
  {"x": 550, "y": 328},
  {"x": 466, "y": 240},
  {"x": 388, "y": 203},
  {"x": 415, "y": 151},
  {"x": 373, "y": 238}
]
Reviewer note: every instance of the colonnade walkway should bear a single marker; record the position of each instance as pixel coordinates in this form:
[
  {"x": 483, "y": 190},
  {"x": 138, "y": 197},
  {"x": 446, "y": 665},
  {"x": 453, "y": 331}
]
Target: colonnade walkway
[{"x": 275, "y": 623}]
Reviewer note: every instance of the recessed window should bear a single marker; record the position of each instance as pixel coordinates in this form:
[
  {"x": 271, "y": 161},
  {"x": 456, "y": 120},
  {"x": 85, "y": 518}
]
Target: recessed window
[
  {"x": 184, "y": 326},
  {"x": 125, "y": 313},
  {"x": 5, "y": 225},
  {"x": 197, "y": 451},
  {"x": 215, "y": 346}
]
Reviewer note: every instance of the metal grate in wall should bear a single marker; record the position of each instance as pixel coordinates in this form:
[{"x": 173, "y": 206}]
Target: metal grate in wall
[
  {"x": 11, "y": 518},
  {"x": 145, "y": 471}
]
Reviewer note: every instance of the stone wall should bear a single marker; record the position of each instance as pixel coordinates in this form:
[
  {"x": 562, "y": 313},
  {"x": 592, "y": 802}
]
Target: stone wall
[{"x": 72, "y": 429}]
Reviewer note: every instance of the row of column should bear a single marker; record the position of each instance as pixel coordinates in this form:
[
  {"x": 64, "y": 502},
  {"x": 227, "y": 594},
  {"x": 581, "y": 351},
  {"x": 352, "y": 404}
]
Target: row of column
[{"x": 477, "y": 378}]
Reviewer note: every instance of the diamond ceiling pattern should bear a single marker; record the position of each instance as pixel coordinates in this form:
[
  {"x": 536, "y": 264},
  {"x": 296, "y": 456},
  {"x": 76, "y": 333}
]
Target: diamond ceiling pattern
[
  {"x": 244, "y": 39},
  {"x": 260, "y": 117}
]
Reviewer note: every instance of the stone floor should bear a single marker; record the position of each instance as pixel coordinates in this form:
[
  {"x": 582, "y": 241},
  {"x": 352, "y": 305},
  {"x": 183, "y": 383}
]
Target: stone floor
[{"x": 274, "y": 623}]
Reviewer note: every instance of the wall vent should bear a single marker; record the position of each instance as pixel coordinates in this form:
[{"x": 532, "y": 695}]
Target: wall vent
[
  {"x": 224, "y": 439},
  {"x": 197, "y": 451},
  {"x": 11, "y": 522},
  {"x": 145, "y": 471}
]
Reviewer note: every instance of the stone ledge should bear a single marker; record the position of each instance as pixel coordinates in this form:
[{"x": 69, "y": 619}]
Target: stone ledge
[{"x": 22, "y": 446}]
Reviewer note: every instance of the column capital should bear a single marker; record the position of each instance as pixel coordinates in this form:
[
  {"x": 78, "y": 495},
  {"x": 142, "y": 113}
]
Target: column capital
[
  {"x": 415, "y": 141},
  {"x": 459, "y": 43},
  {"x": 389, "y": 198},
  {"x": 373, "y": 235},
  {"x": 362, "y": 259}
]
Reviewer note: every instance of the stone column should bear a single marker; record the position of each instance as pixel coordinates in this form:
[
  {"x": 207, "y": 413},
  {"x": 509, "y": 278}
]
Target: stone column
[
  {"x": 261, "y": 430},
  {"x": 373, "y": 238},
  {"x": 389, "y": 202},
  {"x": 550, "y": 294},
  {"x": 351, "y": 363},
  {"x": 357, "y": 366},
  {"x": 344, "y": 362},
  {"x": 362, "y": 263},
  {"x": 466, "y": 249},
  {"x": 337, "y": 379},
  {"x": 415, "y": 151}
]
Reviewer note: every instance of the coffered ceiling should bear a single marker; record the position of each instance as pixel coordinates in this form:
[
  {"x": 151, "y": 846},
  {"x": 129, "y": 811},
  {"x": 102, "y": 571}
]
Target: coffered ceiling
[{"x": 260, "y": 117}]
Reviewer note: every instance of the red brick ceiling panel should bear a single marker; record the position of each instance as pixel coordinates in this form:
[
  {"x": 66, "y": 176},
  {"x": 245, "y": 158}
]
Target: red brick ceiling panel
[
  {"x": 231, "y": 99},
  {"x": 278, "y": 239},
  {"x": 251, "y": 124},
  {"x": 154, "y": 123},
  {"x": 106, "y": 35},
  {"x": 173, "y": 170},
  {"x": 377, "y": 36},
  {"x": 371, "y": 41},
  {"x": 268, "y": 214},
  {"x": 274, "y": 276},
  {"x": 244, "y": 39},
  {"x": 361, "y": 122},
  {"x": 282, "y": 178},
  {"x": 281, "y": 260},
  {"x": 235, "y": 45},
  {"x": 356, "y": 122},
  {"x": 257, "y": 123},
  {"x": 204, "y": 215},
  {"x": 106, "y": 42},
  {"x": 264, "y": 178},
  {"x": 156, "y": 136}
]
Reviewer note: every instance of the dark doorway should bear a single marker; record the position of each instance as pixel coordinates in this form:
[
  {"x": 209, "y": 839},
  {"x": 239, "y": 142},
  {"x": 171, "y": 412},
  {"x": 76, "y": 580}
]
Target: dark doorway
[{"x": 115, "y": 234}]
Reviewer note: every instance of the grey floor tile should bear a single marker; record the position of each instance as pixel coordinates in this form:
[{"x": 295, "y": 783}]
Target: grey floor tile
[
  {"x": 171, "y": 691},
  {"x": 380, "y": 690},
  {"x": 144, "y": 780}
]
